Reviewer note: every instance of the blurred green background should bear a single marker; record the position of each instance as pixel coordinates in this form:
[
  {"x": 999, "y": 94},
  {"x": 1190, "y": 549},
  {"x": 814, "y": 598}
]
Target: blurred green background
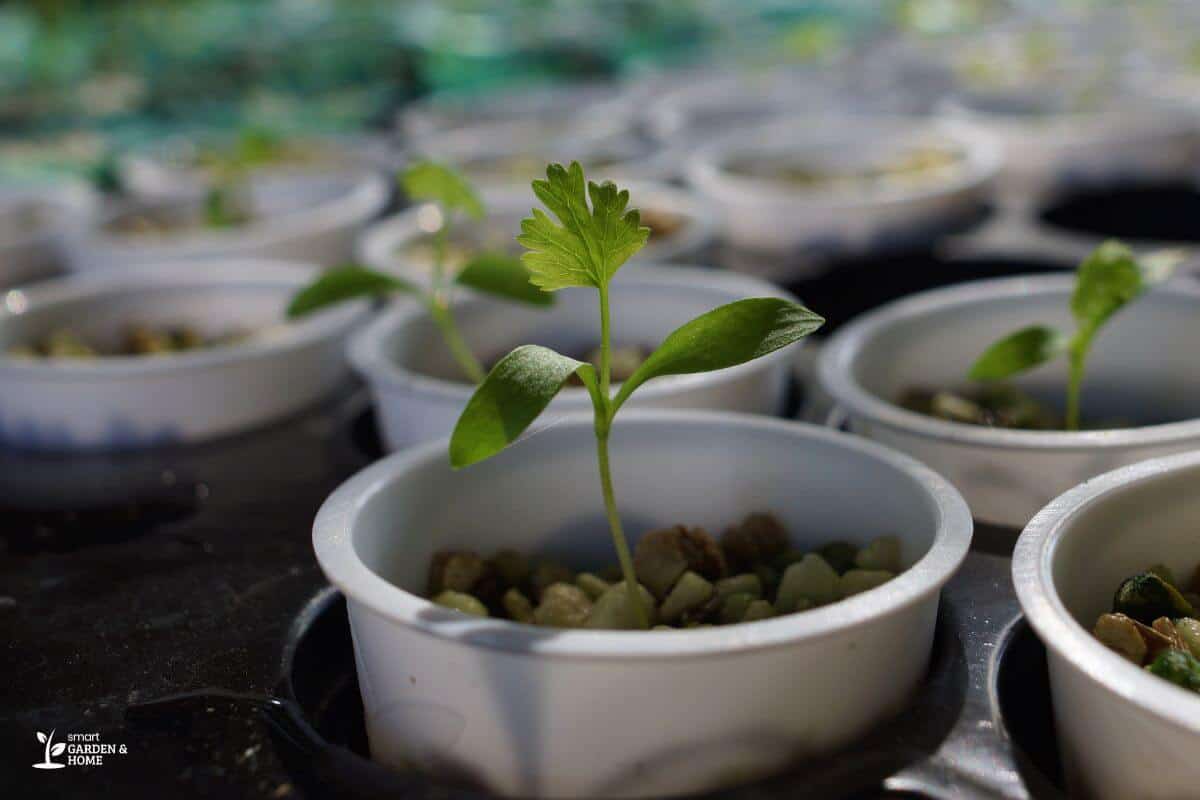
[{"x": 81, "y": 77}]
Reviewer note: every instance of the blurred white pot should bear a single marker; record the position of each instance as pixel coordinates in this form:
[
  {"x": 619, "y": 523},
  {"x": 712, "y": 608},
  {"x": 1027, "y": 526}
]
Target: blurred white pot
[
  {"x": 312, "y": 217},
  {"x": 419, "y": 391},
  {"x": 799, "y": 223},
  {"x": 116, "y": 402},
  {"x": 1140, "y": 366},
  {"x": 400, "y": 245},
  {"x": 35, "y": 223}
]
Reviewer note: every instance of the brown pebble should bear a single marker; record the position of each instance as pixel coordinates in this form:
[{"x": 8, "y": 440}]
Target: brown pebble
[{"x": 758, "y": 539}]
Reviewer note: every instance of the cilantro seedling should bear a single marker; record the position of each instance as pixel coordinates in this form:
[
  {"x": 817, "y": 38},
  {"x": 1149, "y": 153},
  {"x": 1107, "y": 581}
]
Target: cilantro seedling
[
  {"x": 495, "y": 274},
  {"x": 586, "y": 247},
  {"x": 1106, "y": 281}
]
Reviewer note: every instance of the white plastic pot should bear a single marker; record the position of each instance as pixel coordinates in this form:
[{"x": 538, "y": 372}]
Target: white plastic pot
[
  {"x": 1122, "y": 732},
  {"x": 29, "y": 252},
  {"x": 800, "y": 225},
  {"x": 708, "y": 104},
  {"x": 542, "y": 712},
  {"x": 574, "y": 110},
  {"x": 311, "y": 217},
  {"x": 169, "y": 171},
  {"x": 383, "y": 245},
  {"x": 513, "y": 153},
  {"x": 1049, "y": 149},
  {"x": 137, "y": 401},
  {"x": 419, "y": 391},
  {"x": 1140, "y": 367}
]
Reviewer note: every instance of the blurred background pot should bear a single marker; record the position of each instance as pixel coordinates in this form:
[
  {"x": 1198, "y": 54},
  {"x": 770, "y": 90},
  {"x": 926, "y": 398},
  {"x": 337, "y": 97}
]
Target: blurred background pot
[
  {"x": 119, "y": 402},
  {"x": 419, "y": 391},
  {"x": 36, "y": 220},
  {"x": 681, "y": 230},
  {"x": 800, "y": 193},
  {"x": 302, "y": 216},
  {"x": 1138, "y": 371}
]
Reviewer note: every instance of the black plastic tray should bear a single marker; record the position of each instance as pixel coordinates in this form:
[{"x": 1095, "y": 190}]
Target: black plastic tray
[{"x": 979, "y": 726}]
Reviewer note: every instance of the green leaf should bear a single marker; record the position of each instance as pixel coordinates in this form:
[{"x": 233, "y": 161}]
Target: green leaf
[
  {"x": 724, "y": 337},
  {"x": 257, "y": 145},
  {"x": 1018, "y": 352},
  {"x": 588, "y": 244},
  {"x": 344, "y": 283},
  {"x": 1106, "y": 280},
  {"x": 512, "y": 396},
  {"x": 440, "y": 184},
  {"x": 220, "y": 207},
  {"x": 503, "y": 276}
]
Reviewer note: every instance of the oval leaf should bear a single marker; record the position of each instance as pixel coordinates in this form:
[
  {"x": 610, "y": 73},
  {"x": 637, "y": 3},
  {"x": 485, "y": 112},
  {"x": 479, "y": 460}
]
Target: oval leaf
[
  {"x": 440, "y": 184},
  {"x": 1018, "y": 352},
  {"x": 724, "y": 337},
  {"x": 502, "y": 276},
  {"x": 344, "y": 283},
  {"x": 41, "y": 737},
  {"x": 1106, "y": 280},
  {"x": 512, "y": 396},
  {"x": 57, "y": 749}
]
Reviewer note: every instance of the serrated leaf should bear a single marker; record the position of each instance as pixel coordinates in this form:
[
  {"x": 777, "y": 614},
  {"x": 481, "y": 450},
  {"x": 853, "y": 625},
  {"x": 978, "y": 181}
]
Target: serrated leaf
[
  {"x": 438, "y": 183},
  {"x": 588, "y": 244},
  {"x": 1106, "y": 280},
  {"x": 724, "y": 337},
  {"x": 343, "y": 283},
  {"x": 504, "y": 276},
  {"x": 1018, "y": 352},
  {"x": 57, "y": 749},
  {"x": 512, "y": 396},
  {"x": 41, "y": 737}
]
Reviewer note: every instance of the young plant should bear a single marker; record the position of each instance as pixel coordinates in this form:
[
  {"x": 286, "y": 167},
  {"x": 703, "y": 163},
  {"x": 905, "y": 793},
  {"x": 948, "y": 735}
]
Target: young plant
[
  {"x": 1106, "y": 281},
  {"x": 228, "y": 169},
  {"x": 586, "y": 247},
  {"x": 495, "y": 274}
]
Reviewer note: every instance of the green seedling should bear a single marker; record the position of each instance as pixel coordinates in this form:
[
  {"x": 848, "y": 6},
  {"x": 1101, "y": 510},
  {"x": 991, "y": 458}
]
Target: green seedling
[
  {"x": 586, "y": 247},
  {"x": 1106, "y": 281},
  {"x": 228, "y": 170},
  {"x": 495, "y": 274}
]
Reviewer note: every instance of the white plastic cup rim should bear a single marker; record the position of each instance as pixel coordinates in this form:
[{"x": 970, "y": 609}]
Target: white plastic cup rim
[
  {"x": 836, "y": 375},
  {"x": 333, "y": 541},
  {"x": 705, "y": 169},
  {"x": 369, "y": 358},
  {"x": 199, "y": 273},
  {"x": 1033, "y": 579}
]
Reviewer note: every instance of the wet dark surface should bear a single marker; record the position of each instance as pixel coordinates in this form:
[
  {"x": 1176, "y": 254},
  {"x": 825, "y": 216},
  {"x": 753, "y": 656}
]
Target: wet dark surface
[
  {"x": 138, "y": 588},
  {"x": 1023, "y": 695},
  {"x": 1165, "y": 212}
]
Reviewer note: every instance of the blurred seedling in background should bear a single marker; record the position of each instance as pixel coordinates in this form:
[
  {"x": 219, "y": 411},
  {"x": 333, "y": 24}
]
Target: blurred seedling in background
[
  {"x": 225, "y": 203},
  {"x": 1106, "y": 281},
  {"x": 448, "y": 194},
  {"x": 586, "y": 247}
]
